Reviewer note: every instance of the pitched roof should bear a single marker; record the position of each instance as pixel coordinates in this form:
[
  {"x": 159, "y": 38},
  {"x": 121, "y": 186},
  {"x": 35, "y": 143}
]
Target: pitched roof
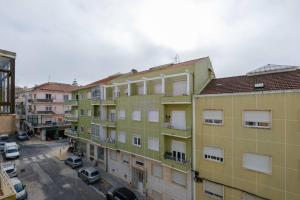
[
  {"x": 283, "y": 80},
  {"x": 52, "y": 86}
]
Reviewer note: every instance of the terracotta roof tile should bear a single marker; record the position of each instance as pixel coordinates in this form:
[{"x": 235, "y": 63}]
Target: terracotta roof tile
[
  {"x": 272, "y": 81},
  {"x": 51, "y": 86}
]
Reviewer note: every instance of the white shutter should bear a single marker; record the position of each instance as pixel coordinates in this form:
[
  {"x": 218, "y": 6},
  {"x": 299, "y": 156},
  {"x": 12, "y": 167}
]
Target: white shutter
[
  {"x": 102, "y": 133},
  {"x": 213, "y": 114},
  {"x": 257, "y": 116},
  {"x": 214, "y": 151},
  {"x": 153, "y": 144},
  {"x": 179, "y": 88},
  {"x": 256, "y": 162},
  {"x": 136, "y": 115},
  {"x": 140, "y": 89},
  {"x": 213, "y": 189},
  {"x": 178, "y": 120},
  {"x": 178, "y": 177},
  {"x": 113, "y": 134},
  {"x": 121, "y": 114},
  {"x": 157, "y": 88},
  {"x": 157, "y": 170},
  {"x": 122, "y": 137},
  {"x": 153, "y": 116},
  {"x": 178, "y": 146}
]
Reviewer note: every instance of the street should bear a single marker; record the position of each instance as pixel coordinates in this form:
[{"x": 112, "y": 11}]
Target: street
[{"x": 47, "y": 178}]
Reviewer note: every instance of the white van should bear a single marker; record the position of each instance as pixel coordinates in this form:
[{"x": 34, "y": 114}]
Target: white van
[{"x": 11, "y": 150}]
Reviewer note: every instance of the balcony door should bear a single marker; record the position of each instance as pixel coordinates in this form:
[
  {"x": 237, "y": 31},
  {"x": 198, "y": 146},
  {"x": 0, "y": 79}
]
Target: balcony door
[
  {"x": 178, "y": 120},
  {"x": 178, "y": 150},
  {"x": 179, "y": 88}
]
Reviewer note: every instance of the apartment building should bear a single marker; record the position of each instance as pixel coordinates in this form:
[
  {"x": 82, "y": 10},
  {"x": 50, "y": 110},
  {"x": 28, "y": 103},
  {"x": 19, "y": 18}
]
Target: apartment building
[
  {"x": 141, "y": 126},
  {"x": 247, "y": 136},
  {"x": 45, "y": 109}
]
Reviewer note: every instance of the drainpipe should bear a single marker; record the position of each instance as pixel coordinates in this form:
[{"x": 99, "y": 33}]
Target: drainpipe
[{"x": 193, "y": 147}]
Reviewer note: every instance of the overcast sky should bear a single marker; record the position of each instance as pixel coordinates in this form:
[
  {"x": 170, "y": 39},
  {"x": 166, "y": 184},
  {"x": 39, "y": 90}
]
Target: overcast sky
[{"x": 59, "y": 40}]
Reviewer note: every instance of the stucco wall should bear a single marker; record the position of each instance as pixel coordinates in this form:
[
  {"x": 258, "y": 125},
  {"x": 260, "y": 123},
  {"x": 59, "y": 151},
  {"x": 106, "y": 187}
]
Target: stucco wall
[{"x": 7, "y": 124}]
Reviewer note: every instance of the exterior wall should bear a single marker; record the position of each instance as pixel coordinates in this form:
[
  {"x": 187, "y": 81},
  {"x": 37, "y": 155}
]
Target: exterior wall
[
  {"x": 281, "y": 142},
  {"x": 84, "y": 120},
  {"x": 119, "y": 168},
  {"x": 7, "y": 124}
]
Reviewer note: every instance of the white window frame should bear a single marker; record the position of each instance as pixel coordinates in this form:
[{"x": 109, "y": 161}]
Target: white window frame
[
  {"x": 150, "y": 146},
  {"x": 212, "y": 194},
  {"x": 213, "y": 120},
  {"x": 257, "y": 123},
  {"x": 137, "y": 140},
  {"x": 213, "y": 156},
  {"x": 138, "y": 117},
  {"x": 155, "y": 113},
  {"x": 122, "y": 115},
  {"x": 256, "y": 168},
  {"x": 120, "y": 140}
]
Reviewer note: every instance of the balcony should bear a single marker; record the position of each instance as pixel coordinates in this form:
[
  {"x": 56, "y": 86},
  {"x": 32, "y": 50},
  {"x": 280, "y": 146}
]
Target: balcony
[
  {"x": 108, "y": 102},
  {"x": 185, "y": 99},
  {"x": 110, "y": 143},
  {"x": 71, "y": 117},
  {"x": 71, "y": 133},
  {"x": 182, "y": 164},
  {"x": 71, "y": 102},
  {"x": 169, "y": 130},
  {"x": 7, "y": 190},
  {"x": 96, "y": 120},
  {"x": 42, "y": 100},
  {"x": 95, "y": 101},
  {"x": 108, "y": 123}
]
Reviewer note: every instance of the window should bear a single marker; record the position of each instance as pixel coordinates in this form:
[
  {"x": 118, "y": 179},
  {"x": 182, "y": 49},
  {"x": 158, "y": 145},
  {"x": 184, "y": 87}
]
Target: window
[
  {"x": 96, "y": 93},
  {"x": 121, "y": 114},
  {"x": 178, "y": 150},
  {"x": 178, "y": 177},
  {"x": 213, "y": 190},
  {"x": 153, "y": 144},
  {"x": 213, "y": 117},
  {"x": 157, "y": 88},
  {"x": 178, "y": 120},
  {"x": 96, "y": 130},
  {"x": 89, "y": 95},
  {"x": 113, "y": 155},
  {"x": 82, "y": 112},
  {"x": 48, "y": 96},
  {"x": 256, "y": 162},
  {"x": 112, "y": 115},
  {"x": 157, "y": 170},
  {"x": 122, "y": 137},
  {"x": 92, "y": 150},
  {"x": 179, "y": 88},
  {"x": 48, "y": 108},
  {"x": 214, "y": 154},
  {"x": 140, "y": 89},
  {"x": 89, "y": 112},
  {"x": 136, "y": 115},
  {"x": 34, "y": 96},
  {"x": 125, "y": 158},
  {"x": 100, "y": 153},
  {"x": 136, "y": 141},
  {"x": 257, "y": 119},
  {"x": 139, "y": 163},
  {"x": 153, "y": 116},
  {"x": 66, "y": 97}
]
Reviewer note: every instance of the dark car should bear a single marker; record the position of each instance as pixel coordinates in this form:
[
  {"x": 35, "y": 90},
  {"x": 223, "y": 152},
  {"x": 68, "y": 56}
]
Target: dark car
[
  {"x": 89, "y": 174},
  {"x": 74, "y": 161},
  {"x": 22, "y": 136},
  {"x": 121, "y": 193}
]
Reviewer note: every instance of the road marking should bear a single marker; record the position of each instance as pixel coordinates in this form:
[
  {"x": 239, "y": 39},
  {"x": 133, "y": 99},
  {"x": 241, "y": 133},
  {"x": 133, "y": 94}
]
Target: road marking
[
  {"x": 48, "y": 155},
  {"x": 98, "y": 191},
  {"x": 33, "y": 158},
  {"x": 25, "y": 159},
  {"x": 41, "y": 156}
]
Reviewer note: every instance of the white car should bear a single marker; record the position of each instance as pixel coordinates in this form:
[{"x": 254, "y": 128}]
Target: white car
[
  {"x": 21, "y": 193},
  {"x": 11, "y": 150},
  {"x": 10, "y": 169}
]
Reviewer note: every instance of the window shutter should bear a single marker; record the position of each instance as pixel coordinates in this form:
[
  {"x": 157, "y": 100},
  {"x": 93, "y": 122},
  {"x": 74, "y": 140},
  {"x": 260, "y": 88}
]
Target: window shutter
[
  {"x": 213, "y": 189},
  {"x": 153, "y": 144},
  {"x": 113, "y": 134},
  {"x": 140, "y": 89},
  {"x": 153, "y": 116},
  {"x": 256, "y": 162},
  {"x": 214, "y": 151},
  {"x": 213, "y": 114},
  {"x": 178, "y": 146},
  {"x": 178, "y": 120},
  {"x": 136, "y": 115},
  {"x": 121, "y": 114},
  {"x": 257, "y": 116},
  {"x": 122, "y": 137},
  {"x": 179, "y": 88}
]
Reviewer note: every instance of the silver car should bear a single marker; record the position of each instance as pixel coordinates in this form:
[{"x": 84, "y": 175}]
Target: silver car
[
  {"x": 10, "y": 169},
  {"x": 74, "y": 161},
  {"x": 89, "y": 174}
]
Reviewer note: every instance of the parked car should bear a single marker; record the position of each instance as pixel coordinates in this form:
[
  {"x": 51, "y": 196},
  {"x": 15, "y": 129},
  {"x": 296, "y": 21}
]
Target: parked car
[
  {"x": 73, "y": 161},
  {"x": 21, "y": 193},
  {"x": 10, "y": 169},
  {"x": 4, "y": 137},
  {"x": 11, "y": 150},
  {"x": 89, "y": 174},
  {"x": 2, "y": 145},
  {"x": 22, "y": 136},
  {"x": 121, "y": 193}
]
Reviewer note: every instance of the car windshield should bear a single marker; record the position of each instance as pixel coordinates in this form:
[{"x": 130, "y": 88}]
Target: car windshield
[
  {"x": 11, "y": 151},
  {"x": 95, "y": 173},
  {"x": 19, "y": 187},
  {"x": 77, "y": 160}
]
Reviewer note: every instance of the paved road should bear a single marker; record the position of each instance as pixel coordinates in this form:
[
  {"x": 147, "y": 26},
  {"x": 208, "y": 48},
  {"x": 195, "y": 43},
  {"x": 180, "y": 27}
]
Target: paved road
[{"x": 47, "y": 178}]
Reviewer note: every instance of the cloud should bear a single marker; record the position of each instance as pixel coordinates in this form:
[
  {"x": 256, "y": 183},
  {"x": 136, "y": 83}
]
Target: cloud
[{"x": 89, "y": 40}]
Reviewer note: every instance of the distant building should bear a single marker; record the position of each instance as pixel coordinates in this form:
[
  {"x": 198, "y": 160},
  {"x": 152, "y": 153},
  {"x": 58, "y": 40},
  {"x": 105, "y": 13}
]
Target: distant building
[{"x": 45, "y": 110}]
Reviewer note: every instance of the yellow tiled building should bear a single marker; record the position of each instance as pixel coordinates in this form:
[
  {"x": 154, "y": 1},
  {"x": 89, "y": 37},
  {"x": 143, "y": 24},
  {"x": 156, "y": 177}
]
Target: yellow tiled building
[{"x": 247, "y": 136}]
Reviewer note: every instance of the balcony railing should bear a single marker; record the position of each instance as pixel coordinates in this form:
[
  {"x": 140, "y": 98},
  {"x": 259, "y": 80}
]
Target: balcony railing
[
  {"x": 71, "y": 102},
  {"x": 110, "y": 140},
  {"x": 108, "y": 123},
  {"x": 46, "y": 100},
  {"x": 184, "y": 99},
  {"x": 108, "y": 102},
  {"x": 96, "y": 120},
  {"x": 174, "y": 162},
  {"x": 169, "y": 156},
  {"x": 71, "y": 117},
  {"x": 168, "y": 129},
  {"x": 95, "y": 101},
  {"x": 71, "y": 132},
  {"x": 7, "y": 190}
]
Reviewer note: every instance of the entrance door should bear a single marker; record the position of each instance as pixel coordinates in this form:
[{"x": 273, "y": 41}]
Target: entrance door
[
  {"x": 178, "y": 120},
  {"x": 138, "y": 179}
]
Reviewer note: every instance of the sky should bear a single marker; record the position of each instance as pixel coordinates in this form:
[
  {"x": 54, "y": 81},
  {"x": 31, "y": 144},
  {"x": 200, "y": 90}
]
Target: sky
[{"x": 60, "y": 40}]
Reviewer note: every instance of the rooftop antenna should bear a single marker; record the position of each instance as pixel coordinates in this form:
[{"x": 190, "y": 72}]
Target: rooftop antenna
[
  {"x": 176, "y": 59},
  {"x": 75, "y": 82},
  {"x": 49, "y": 77}
]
